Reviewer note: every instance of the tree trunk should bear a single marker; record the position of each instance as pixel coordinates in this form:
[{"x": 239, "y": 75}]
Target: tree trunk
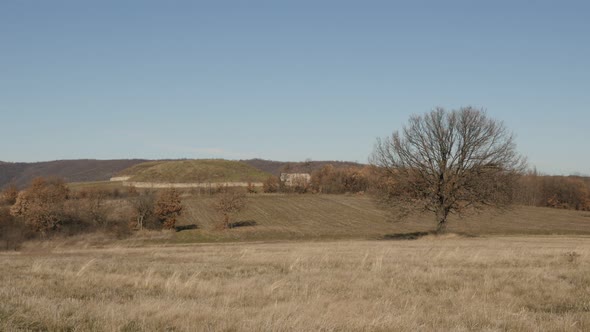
[
  {"x": 441, "y": 221},
  {"x": 226, "y": 221}
]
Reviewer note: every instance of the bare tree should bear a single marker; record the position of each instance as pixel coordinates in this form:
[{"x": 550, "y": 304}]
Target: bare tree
[
  {"x": 143, "y": 208},
  {"x": 448, "y": 161}
]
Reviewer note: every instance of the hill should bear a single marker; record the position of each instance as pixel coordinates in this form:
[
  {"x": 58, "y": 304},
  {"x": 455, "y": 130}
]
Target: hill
[
  {"x": 194, "y": 171},
  {"x": 81, "y": 170},
  {"x": 91, "y": 170},
  {"x": 277, "y": 167}
]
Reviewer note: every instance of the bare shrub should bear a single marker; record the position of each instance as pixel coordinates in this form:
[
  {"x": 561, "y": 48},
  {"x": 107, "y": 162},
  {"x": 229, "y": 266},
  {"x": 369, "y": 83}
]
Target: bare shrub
[
  {"x": 271, "y": 185},
  {"x": 120, "y": 212},
  {"x": 143, "y": 210},
  {"x": 96, "y": 208},
  {"x": 251, "y": 188}
]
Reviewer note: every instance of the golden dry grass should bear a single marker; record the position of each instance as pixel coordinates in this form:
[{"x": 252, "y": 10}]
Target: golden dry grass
[{"x": 431, "y": 284}]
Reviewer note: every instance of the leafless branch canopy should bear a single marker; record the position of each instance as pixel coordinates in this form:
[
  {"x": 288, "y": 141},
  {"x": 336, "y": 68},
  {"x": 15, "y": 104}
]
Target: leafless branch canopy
[{"x": 446, "y": 161}]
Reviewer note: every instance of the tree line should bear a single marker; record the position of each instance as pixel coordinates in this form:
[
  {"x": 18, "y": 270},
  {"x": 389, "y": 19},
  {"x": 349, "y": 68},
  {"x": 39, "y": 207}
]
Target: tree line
[
  {"x": 531, "y": 188},
  {"x": 48, "y": 207},
  {"x": 561, "y": 192}
]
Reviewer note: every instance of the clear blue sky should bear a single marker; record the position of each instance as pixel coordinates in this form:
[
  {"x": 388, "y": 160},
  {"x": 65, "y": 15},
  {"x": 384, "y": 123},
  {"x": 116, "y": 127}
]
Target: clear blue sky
[{"x": 286, "y": 80}]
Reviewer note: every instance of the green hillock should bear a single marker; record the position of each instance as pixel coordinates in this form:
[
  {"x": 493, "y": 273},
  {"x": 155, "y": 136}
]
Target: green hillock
[{"x": 194, "y": 171}]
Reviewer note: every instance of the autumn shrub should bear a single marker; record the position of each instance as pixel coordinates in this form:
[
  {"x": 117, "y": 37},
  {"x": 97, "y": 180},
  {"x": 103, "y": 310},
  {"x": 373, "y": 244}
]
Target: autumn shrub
[
  {"x": 168, "y": 208},
  {"x": 9, "y": 195},
  {"x": 41, "y": 205},
  {"x": 228, "y": 203},
  {"x": 562, "y": 192},
  {"x": 300, "y": 185},
  {"x": 331, "y": 180},
  {"x": 47, "y": 207},
  {"x": 271, "y": 184},
  {"x": 566, "y": 193}
]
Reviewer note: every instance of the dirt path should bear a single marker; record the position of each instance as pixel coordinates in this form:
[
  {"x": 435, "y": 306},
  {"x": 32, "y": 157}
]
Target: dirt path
[{"x": 189, "y": 185}]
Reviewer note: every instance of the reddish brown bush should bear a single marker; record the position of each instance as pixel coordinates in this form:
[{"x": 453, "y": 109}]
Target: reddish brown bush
[
  {"x": 168, "y": 208},
  {"x": 271, "y": 185},
  {"x": 331, "y": 180},
  {"x": 41, "y": 205},
  {"x": 9, "y": 195},
  {"x": 228, "y": 203}
]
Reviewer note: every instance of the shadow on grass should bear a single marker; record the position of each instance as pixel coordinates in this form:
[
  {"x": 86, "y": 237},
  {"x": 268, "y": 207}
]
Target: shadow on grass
[
  {"x": 406, "y": 236},
  {"x": 418, "y": 235},
  {"x": 185, "y": 227},
  {"x": 245, "y": 223}
]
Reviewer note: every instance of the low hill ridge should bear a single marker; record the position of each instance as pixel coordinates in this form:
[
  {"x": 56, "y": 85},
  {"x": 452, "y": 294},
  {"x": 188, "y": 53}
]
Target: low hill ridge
[
  {"x": 194, "y": 171},
  {"x": 92, "y": 170},
  {"x": 80, "y": 170}
]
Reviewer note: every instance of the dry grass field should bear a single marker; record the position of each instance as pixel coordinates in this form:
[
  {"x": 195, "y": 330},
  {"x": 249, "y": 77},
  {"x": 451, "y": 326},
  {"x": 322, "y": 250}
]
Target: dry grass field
[
  {"x": 309, "y": 263},
  {"x": 289, "y": 217},
  {"x": 536, "y": 283}
]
